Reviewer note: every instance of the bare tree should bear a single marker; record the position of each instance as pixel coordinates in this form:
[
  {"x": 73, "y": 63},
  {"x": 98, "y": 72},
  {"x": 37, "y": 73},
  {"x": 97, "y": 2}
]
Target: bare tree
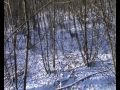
[{"x": 27, "y": 44}]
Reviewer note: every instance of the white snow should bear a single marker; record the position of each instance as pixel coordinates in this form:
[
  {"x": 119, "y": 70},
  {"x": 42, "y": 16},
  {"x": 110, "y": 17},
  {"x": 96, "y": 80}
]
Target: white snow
[{"x": 41, "y": 81}]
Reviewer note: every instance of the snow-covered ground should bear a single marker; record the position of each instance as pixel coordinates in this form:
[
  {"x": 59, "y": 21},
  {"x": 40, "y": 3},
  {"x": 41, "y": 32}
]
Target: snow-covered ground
[
  {"x": 69, "y": 72},
  {"x": 69, "y": 68}
]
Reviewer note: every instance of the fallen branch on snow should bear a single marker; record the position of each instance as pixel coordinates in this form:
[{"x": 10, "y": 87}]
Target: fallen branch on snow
[
  {"x": 80, "y": 80},
  {"x": 65, "y": 80}
]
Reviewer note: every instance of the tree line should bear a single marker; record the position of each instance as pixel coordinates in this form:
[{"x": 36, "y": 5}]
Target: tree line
[{"x": 38, "y": 21}]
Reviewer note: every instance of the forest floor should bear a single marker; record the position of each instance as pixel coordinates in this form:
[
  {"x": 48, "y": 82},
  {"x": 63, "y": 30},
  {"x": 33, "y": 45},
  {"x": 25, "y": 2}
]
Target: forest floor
[{"x": 72, "y": 74}]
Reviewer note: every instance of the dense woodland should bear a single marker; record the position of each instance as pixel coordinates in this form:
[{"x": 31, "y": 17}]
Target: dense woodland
[{"x": 47, "y": 27}]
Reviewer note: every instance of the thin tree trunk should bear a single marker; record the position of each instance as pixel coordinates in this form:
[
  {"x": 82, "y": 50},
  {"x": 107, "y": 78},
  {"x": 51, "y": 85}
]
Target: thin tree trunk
[
  {"x": 86, "y": 46},
  {"x": 27, "y": 44},
  {"x": 54, "y": 35},
  {"x": 15, "y": 60}
]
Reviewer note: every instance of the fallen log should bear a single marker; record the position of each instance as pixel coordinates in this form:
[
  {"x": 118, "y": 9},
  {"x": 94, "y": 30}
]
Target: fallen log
[{"x": 80, "y": 80}]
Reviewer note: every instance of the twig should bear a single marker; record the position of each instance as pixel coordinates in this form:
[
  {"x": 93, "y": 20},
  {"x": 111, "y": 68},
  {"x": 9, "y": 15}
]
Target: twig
[
  {"x": 28, "y": 20},
  {"x": 69, "y": 1}
]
